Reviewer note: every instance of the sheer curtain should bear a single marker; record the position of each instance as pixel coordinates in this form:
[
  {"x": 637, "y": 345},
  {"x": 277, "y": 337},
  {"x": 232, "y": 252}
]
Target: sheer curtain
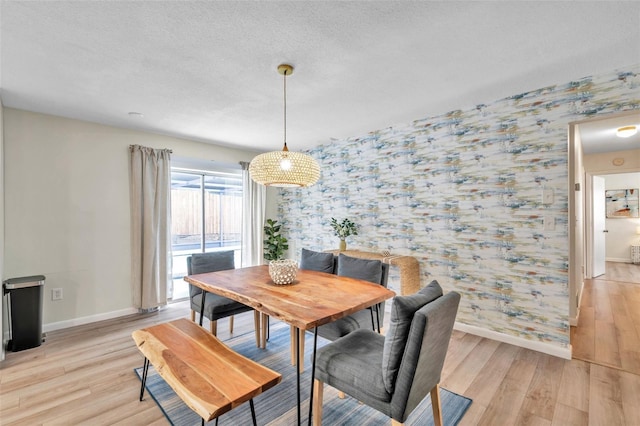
[
  {"x": 150, "y": 174},
  {"x": 253, "y": 212}
]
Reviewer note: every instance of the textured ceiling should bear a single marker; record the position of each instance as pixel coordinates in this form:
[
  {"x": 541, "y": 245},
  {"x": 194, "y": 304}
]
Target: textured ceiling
[{"x": 207, "y": 70}]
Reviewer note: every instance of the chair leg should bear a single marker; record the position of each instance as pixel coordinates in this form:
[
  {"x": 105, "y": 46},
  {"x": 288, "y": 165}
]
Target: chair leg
[
  {"x": 396, "y": 423},
  {"x": 193, "y": 315},
  {"x": 373, "y": 324},
  {"x": 256, "y": 327},
  {"x": 340, "y": 394},
  {"x": 435, "y": 404},
  {"x": 318, "y": 388},
  {"x": 213, "y": 326},
  {"x": 231, "y": 324}
]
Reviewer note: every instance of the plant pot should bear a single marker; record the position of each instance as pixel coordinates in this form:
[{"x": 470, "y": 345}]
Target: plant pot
[
  {"x": 283, "y": 272},
  {"x": 343, "y": 245}
]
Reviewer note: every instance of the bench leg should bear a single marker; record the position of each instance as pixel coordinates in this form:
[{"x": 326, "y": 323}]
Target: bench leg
[
  {"x": 145, "y": 370},
  {"x": 253, "y": 412}
]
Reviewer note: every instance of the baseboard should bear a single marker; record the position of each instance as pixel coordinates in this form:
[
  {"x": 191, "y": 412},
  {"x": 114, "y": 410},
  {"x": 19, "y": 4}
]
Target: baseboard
[
  {"x": 618, "y": 259},
  {"x": 546, "y": 348},
  {"x": 87, "y": 320},
  {"x": 574, "y": 321}
]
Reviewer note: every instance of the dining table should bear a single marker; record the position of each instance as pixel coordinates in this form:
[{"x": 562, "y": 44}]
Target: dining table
[{"x": 313, "y": 299}]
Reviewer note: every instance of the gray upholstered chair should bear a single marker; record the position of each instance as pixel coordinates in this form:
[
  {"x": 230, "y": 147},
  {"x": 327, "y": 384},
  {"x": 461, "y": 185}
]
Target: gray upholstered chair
[
  {"x": 318, "y": 261},
  {"x": 364, "y": 269},
  {"x": 392, "y": 373},
  {"x": 215, "y": 306},
  {"x": 369, "y": 270}
]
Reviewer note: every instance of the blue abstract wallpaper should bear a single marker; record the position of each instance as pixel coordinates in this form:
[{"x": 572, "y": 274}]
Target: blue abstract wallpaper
[{"x": 462, "y": 192}]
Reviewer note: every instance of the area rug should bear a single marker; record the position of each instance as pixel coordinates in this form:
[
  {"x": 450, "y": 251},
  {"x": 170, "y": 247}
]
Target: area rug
[{"x": 277, "y": 406}]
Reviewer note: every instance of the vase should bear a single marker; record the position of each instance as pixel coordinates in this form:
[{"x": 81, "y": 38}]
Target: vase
[
  {"x": 283, "y": 271},
  {"x": 343, "y": 245}
]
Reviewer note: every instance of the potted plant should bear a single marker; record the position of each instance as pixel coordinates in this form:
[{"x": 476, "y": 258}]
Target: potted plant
[
  {"x": 274, "y": 244},
  {"x": 343, "y": 229},
  {"x": 282, "y": 271}
]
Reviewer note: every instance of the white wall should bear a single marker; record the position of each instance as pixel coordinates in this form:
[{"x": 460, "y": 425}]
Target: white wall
[
  {"x": 2, "y": 305},
  {"x": 576, "y": 230},
  {"x": 67, "y": 209},
  {"x": 602, "y": 164},
  {"x": 622, "y": 232}
]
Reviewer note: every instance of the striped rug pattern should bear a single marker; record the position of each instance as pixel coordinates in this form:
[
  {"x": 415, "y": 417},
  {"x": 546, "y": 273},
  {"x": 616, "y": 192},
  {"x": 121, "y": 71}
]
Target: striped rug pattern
[{"x": 277, "y": 406}]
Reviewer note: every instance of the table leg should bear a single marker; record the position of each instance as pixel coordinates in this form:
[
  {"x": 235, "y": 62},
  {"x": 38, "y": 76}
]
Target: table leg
[
  {"x": 313, "y": 371},
  {"x": 263, "y": 331},
  {"x": 297, "y": 359},
  {"x": 256, "y": 327},
  {"x": 297, "y": 339},
  {"x": 292, "y": 345}
]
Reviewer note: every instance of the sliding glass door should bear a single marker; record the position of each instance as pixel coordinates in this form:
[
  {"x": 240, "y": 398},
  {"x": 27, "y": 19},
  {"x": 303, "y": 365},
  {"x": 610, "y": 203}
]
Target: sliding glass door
[{"x": 206, "y": 215}]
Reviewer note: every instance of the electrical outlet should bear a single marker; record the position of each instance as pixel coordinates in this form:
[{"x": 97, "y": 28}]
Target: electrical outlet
[
  {"x": 547, "y": 196},
  {"x": 56, "y": 294}
]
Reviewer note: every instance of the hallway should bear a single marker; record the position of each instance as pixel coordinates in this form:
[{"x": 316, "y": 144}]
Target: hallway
[{"x": 608, "y": 331}]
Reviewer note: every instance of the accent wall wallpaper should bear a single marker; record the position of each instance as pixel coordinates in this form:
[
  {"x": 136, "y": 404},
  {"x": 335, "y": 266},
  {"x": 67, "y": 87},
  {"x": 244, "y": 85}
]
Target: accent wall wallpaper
[{"x": 462, "y": 192}]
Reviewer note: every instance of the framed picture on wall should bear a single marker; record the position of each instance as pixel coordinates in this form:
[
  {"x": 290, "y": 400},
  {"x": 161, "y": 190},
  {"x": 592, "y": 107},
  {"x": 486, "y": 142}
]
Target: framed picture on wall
[{"x": 621, "y": 203}]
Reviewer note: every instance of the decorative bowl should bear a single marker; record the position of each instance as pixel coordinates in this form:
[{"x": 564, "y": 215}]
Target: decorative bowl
[{"x": 283, "y": 271}]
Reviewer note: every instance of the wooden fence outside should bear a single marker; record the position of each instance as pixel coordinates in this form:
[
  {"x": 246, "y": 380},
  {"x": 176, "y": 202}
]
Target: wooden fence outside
[{"x": 221, "y": 211}]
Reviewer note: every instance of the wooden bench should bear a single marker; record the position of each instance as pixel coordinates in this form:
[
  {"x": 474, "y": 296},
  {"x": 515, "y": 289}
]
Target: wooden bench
[{"x": 206, "y": 374}]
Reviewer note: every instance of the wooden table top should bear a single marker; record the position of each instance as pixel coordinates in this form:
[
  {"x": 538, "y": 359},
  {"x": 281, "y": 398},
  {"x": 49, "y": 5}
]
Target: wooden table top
[
  {"x": 314, "y": 298},
  {"x": 208, "y": 375}
]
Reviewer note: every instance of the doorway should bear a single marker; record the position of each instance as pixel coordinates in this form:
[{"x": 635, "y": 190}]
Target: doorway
[
  {"x": 593, "y": 149},
  {"x": 609, "y": 236},
  {"x": 606, "y": 299}
]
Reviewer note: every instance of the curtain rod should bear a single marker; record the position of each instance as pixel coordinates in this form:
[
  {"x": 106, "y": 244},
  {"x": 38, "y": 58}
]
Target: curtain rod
[{"x": 163, "y": 149}]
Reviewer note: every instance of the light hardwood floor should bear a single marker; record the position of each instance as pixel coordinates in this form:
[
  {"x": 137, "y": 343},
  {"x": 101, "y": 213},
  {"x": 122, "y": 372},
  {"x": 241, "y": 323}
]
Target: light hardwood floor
[
  {"x": 608, "y": 330},
  {"x": 84, "y": 375},
  {"x": 623, "y": 272}
]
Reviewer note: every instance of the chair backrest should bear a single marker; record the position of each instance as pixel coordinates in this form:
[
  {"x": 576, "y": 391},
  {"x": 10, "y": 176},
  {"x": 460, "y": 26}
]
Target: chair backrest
[
  {"x": 330, "y": 263},
  {"x": 362, "y": 269},
  {"x": 317, "y": 261},
  {"x": 200, "y": 263},
  {"x": 424, "y": 355}
]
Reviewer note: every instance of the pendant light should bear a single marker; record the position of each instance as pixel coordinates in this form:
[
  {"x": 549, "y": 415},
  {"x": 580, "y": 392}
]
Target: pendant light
[{"x": 284, "y": 168}]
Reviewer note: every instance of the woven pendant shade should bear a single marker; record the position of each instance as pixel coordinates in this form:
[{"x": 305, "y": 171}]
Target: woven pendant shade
[
  {"x": 301, "y": 170},
  {"x": 284, "y": 168}
]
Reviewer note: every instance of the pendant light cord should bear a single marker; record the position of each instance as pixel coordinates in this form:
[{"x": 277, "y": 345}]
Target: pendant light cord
[{"x": 285, "y": 110}]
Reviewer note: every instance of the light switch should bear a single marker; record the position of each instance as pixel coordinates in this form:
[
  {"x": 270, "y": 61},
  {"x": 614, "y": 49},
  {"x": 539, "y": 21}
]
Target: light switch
[
  {"x": 547, "y": 196},
  {"x": 548, "y": 223}
]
